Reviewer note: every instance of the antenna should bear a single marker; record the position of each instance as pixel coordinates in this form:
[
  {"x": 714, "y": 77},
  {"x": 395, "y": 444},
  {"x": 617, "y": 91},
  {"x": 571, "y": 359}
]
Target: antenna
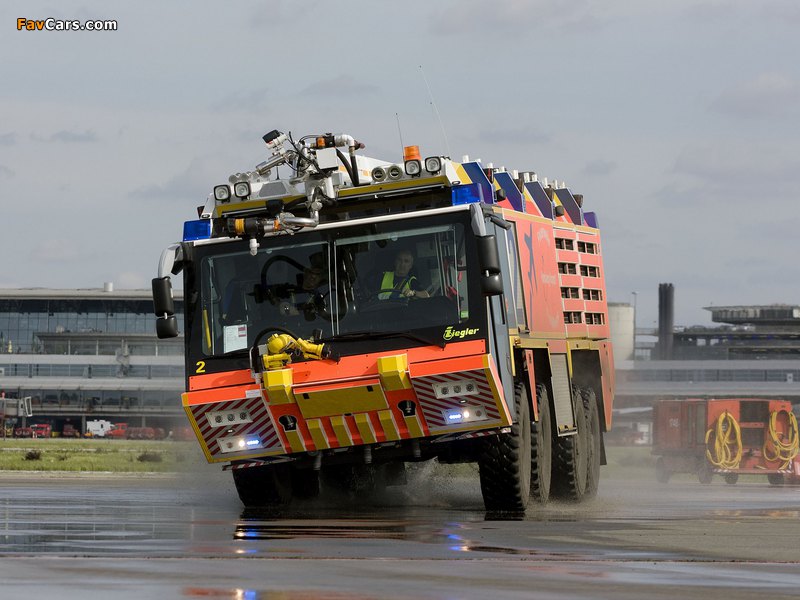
[
  {"x": 435, "y": 110},
  {"x": 399, "y": 132}
]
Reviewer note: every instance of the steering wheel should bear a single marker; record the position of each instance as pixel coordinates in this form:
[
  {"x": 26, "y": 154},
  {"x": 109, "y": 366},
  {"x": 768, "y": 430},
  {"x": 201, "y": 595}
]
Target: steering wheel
[{"x": 266, "y": 292}]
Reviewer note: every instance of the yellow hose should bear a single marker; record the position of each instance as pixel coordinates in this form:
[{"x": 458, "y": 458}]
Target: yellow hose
[
  {"x": 775, "y": 448},
  {"x": 727, "y": 450}
]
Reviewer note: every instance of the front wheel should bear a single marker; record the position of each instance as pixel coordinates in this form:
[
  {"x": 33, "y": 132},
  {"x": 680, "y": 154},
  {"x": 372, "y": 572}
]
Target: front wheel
[
  {"x": 731, "y": 478},
  {"x": 505, "y": 462},
  {"x": 263, "y": 486},
  {"x": 704, "y": 472}
]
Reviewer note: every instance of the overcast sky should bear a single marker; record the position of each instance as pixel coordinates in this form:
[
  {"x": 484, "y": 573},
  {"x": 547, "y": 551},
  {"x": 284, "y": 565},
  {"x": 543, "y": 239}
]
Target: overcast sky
[{"x": 677, "y": 121}]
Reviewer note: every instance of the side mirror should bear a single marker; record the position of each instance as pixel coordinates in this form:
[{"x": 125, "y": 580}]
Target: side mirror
[
  {"x": 163, "y": 303},
  {"x": 167, "y": 327},
  {"x": 164, "y": 308},
  {"x": 489, "y": 261}
]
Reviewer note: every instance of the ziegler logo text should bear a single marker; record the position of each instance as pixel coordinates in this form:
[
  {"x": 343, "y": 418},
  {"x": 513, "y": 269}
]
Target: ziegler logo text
[{"x": 451, "y": 333}]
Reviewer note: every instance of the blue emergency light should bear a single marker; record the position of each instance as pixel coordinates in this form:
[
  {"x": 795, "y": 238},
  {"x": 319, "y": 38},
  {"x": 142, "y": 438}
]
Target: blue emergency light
[
  {"x": 196, "y": 230},
  {"x": 466, "y": 194}
]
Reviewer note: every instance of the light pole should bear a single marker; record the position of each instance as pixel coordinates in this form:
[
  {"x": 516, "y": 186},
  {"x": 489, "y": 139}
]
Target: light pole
[{"x": 635, "y": 296}]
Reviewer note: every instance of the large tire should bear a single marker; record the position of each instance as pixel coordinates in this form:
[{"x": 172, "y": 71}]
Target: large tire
[
  {"x": 505, "y": 462},
  {"x": 305, "y": 483},
  {"x": 570, "y": 458},
  {"x": 594, "y": 442},
  {"x": 662, "y": 473},
  {"x": 704, "y": 472},
  {"x": 354, "y": 479},
  {"x": 541, "y": 449},
  {"x": 775, "y": 478},
  {"x": 263, "y": 486}
]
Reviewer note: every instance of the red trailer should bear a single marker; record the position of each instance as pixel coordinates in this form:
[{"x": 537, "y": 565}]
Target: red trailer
[{"x": 729, "y": 436}]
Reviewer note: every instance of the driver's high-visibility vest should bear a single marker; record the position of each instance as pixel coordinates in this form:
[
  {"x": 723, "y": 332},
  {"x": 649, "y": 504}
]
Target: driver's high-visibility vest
[{"x": 388, "y": 283}]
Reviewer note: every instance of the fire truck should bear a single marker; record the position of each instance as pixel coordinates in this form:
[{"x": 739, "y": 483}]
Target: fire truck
[
  {"x": 363, "y": 314},
  {"x": 725, "y": 436}
]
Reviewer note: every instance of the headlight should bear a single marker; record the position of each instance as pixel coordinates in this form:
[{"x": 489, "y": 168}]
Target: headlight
[
  {"x": 394, "y": 172},
  {"x": 413, "y": 167},
  {"x": 242, "y": 190},
  {"x": 378, "y": 174},
  {"x": 433, "y": 164},
  {"x": 222, "y": 193}
]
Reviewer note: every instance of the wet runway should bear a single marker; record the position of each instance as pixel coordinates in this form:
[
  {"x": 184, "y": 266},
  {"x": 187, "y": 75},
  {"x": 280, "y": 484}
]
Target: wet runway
[{"x": 186, "y": 536}]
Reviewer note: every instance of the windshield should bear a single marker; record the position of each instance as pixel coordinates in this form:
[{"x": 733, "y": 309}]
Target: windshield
[
  {"x": 403, "y": 279},
  {"x": 382, "y": 277}
]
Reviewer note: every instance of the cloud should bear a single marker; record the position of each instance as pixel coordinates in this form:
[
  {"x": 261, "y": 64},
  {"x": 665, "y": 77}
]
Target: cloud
[
  {"x": 8, "y": 139},
  {"x": 68, "y": 137},
  {"x": 472, "y": 16},
  {"x": 768, "y": 95},
  {"x": 599, "y": 166},
  {"x": 6, "y": 172},
  {"x": 343, "y": 86},
  {"x": 280, "y": 12},
  {"x": 257, "y": 100},
  {"x": 128, "y": 280},
  {"x": 744, "y": 166},
  {"x": 192, "y": 183},
  {"x": 520, "y": 135},
  {"x": 54, "y": 250}
]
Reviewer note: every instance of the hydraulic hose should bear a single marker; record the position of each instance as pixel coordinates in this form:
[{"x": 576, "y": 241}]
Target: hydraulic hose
[
  {"x": 726, "y": 452},
  {"x": 782, "y": 447}
]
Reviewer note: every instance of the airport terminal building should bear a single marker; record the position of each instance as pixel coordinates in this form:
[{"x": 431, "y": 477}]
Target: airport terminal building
[{"x": 85, "y": 354}]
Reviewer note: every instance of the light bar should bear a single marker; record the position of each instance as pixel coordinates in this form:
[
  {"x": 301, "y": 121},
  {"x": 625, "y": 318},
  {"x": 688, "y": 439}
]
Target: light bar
[
  {"x": 239, "y": 443},
  {"x": 464, "y": 414},
  {"x": 197, "y": 230},
  {"x": 222, "y": 418},
  {"x": 458, "y": 388}
]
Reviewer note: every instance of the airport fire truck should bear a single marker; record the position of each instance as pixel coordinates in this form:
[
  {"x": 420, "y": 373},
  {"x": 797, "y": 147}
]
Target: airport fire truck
[{"x": 362, "y": 314}]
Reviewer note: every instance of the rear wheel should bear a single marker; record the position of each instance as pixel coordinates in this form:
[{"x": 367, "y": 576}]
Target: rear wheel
[
  {"x": 263, "y": 486},
  {"x": 731, "y": 478},
  {"x": 775, "y": 478},
  {"x": 594, "y": 440},
  {"x": 570, "y": 457},
  {"x": 505, "y": 462},
  {"x": 541, "y": 449}
]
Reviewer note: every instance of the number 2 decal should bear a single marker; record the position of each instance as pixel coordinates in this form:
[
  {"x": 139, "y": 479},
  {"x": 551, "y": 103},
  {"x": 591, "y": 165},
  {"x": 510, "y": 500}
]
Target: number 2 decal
[{"x": 201, "y": 366}]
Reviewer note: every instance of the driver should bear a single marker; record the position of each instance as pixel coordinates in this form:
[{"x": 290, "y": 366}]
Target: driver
[{"x": 400, "y": 283}]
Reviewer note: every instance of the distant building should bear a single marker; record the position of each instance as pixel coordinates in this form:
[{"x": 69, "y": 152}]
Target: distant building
[
  {"x": 754, "y": 352},
  {"x": 90, "y": 353}
]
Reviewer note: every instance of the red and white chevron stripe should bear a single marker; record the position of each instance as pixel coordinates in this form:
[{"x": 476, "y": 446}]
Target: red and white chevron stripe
[
  {"x": 433, "y": 408},
  {"x": 261, "y": 425}
]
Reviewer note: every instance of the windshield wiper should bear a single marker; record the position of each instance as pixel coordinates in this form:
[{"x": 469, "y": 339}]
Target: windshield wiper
[{"x": 383, "y": 335}]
